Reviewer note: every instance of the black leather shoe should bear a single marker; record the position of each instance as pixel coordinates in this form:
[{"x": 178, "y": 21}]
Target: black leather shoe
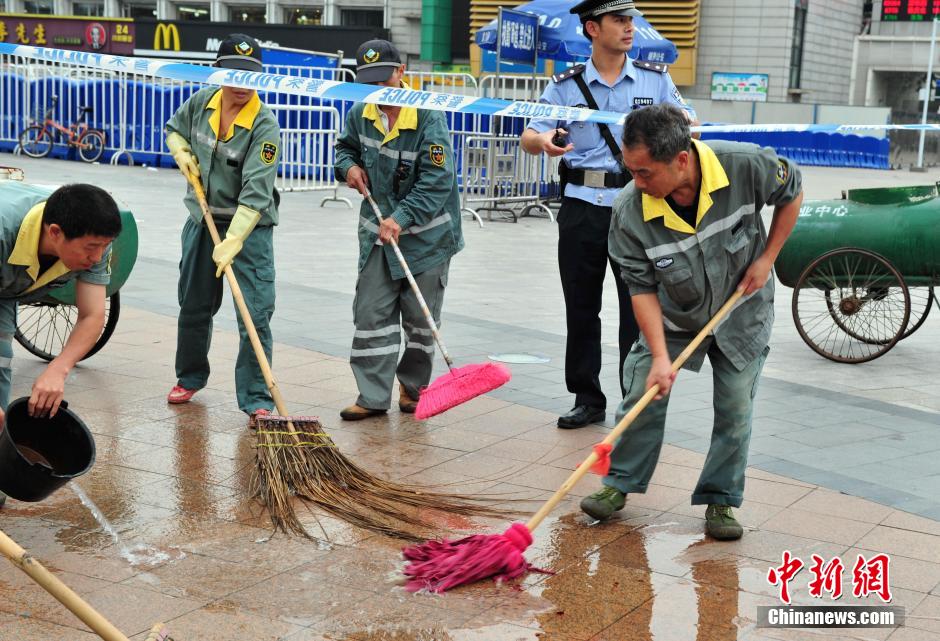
[{"x": 580, "y": 416}]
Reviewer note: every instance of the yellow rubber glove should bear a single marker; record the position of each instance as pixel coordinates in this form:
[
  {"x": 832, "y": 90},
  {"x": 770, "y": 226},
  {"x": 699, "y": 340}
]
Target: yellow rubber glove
[
  {"x": 183, "y": 154},
  {"x": 242, "y": 223}
]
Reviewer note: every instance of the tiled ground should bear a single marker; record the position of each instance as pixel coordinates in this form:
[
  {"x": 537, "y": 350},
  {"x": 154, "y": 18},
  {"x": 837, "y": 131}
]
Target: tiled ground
[
  {"x": 842, "y": 464},
  {"x": 174, "y": 480}
]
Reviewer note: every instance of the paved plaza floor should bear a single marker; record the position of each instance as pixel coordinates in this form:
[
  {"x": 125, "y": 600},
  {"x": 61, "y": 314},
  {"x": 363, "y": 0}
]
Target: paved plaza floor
[{"x": 843, "y": 463}]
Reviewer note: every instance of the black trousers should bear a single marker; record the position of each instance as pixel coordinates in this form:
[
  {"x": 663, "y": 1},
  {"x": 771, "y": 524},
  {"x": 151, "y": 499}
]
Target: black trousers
[{"x": 582, "y": 262}]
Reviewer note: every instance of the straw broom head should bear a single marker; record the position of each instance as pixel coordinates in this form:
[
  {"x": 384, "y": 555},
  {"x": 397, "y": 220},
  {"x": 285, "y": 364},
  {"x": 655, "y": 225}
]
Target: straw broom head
[{"x": 304, "y": 463}]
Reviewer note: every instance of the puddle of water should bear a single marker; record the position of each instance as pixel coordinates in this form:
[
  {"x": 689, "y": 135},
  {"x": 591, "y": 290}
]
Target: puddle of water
[{"x": 139, "y": 554}]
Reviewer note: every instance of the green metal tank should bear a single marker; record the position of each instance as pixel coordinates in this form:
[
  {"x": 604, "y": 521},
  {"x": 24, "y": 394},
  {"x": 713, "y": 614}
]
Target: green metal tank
[{"x": 902, "y": 224}]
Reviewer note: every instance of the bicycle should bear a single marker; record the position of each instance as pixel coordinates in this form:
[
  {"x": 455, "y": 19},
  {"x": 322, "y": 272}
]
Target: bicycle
[{"x": 37, "y": 139}]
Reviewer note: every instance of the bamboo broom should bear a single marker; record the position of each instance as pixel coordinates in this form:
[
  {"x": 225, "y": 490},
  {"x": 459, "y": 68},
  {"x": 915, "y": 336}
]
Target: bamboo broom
[{"x": 295, "y": 457}]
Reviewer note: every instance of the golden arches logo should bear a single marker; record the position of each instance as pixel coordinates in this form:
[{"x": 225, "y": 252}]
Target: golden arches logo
[{"x": 166, "y": 36}]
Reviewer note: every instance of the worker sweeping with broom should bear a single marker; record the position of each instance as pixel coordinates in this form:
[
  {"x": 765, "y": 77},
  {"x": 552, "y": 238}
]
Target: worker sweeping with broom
[
  {"x": 229, "y": 141},
  {"x": 404, "y": 157},
  {"x": 688, "y": 236}
]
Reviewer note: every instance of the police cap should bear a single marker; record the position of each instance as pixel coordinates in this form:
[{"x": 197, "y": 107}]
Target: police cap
[{"x": 595, "y": 8}]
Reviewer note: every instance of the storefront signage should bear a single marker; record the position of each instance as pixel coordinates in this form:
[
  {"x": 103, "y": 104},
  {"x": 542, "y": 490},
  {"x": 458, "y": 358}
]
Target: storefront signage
[{"x": 98, "y": 35}]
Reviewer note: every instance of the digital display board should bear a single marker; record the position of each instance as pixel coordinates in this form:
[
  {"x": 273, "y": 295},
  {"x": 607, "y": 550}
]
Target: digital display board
[{"x": 909, "y": 10}]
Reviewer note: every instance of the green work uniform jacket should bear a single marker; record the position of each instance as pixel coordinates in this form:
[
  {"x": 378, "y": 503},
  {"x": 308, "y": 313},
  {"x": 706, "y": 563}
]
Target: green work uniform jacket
[
  {"x": 694, "y": 270},
  {"x": 238, "y": 167},
  {"x": 21, "y": 208},
  {"x": 423, "y": 199}
]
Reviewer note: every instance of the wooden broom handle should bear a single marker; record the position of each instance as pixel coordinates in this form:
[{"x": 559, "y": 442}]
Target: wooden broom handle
[
  {"x": 414, "y": 287},
  {"x": 240, "y": 303},
  {"x": 624, "y": 423},
  {"x": 48, "y": 581}
]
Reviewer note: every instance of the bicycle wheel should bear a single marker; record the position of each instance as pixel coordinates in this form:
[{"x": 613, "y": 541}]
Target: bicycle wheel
[
  {"x": 91, "y": 145},
  {"x": 43, "y": 328},
  {"x": 35, "y": 141}
]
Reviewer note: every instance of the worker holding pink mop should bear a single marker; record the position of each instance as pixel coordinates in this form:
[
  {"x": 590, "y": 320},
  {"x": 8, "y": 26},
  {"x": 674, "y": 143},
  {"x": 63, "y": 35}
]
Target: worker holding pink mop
[{"x": 404, "y": 157}]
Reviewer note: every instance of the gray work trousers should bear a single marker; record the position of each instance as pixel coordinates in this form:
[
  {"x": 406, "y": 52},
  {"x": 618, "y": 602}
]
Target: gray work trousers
[{"x": 381, "y": 308}]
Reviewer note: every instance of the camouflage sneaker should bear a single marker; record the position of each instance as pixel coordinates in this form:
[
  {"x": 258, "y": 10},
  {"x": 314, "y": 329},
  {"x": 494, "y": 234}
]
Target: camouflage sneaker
[
  {"x": 603, "y": 503},
  {"x": 721, "y": 524}
]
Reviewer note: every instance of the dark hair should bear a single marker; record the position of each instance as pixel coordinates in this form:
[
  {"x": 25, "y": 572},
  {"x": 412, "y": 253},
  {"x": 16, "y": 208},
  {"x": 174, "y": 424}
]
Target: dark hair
[
  {"x": 584, "y": 22},
  {"x": 663, "y": 129},
  {"x": 82, "y": 210}
]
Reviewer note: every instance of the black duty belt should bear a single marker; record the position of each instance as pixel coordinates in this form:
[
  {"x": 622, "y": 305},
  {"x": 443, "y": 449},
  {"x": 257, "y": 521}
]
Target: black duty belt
[{"x": 598, "y": 179}]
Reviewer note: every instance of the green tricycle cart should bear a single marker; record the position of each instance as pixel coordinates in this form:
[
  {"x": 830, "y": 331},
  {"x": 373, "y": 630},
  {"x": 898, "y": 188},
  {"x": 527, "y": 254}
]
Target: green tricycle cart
[{"x": 863, "y": 269}]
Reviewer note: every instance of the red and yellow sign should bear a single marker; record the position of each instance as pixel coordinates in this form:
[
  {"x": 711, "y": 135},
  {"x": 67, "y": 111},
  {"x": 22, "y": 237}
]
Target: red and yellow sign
[{"x": 97, "y": 35}]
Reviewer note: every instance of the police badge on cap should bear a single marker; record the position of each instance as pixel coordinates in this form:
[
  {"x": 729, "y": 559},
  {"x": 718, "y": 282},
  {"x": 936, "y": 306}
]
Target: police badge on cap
[{"x": 596, "y": 8}]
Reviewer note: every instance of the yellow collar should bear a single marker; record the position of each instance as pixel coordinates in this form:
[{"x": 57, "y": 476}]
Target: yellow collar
[
  {"x": 407, "y": 119},
  {"x": 713, "y": 179},
  {"x": 245, "y": 118},
  {"x": 26, "y": 250}
]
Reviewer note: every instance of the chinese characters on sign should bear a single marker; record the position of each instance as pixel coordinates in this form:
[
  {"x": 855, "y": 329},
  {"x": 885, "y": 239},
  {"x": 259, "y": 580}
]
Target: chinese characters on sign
[
  {"x": 869, "y": 577},
  {"x": 98, "y": 35},
  {"x": 518, "y": 36},
  {"x": 909, "y": 10}
]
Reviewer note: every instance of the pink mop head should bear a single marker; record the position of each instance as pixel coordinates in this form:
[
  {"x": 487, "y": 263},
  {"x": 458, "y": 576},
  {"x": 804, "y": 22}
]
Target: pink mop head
[
  {"x": 441, "y": 565},
  {"x": 459, "y": 386}
]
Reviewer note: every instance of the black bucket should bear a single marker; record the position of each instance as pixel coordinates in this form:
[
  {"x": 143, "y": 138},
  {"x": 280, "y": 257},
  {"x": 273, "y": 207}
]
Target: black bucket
[{"x": 40, "y": 455}]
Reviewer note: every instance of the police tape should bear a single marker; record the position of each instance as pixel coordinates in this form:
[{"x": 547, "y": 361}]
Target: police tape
[{"x": 320, "y": 89}]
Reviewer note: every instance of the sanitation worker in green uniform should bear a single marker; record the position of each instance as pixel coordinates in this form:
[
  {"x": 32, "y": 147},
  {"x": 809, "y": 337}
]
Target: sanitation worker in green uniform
[
  {"x": 404, "y": 157},
  {"x": 230, "y": 141},
  {"x": 686, "y": 234},
  {"x": 47, "y": 239}
]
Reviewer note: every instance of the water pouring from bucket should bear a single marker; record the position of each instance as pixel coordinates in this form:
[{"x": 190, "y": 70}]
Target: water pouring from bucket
[{"x": 38, "y": 455}]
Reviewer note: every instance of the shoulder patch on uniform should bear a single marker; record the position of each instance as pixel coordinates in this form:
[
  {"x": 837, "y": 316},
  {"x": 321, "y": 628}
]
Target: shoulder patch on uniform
[
  {"x": 268, "y": 153},
  {"x": 783, "y": 171},
  {"x": 678, "y": 96},
  {"x": 437, "y": 155},
  {"x": 658, "y": 67},
  {"x": 568, "y": 73}
]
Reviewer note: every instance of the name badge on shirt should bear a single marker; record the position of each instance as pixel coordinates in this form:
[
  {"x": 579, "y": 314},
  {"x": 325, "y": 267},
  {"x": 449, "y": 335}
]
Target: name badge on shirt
[{"x": 642, "y": 102}]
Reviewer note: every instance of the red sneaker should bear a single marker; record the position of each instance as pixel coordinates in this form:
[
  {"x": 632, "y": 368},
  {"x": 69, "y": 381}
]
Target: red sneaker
[
  {"x": 253, "y": 418},
  {"x": 179, "y": 395}
]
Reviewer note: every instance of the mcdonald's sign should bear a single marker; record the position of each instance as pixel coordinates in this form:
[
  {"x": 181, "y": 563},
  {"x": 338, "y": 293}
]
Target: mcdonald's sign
[{"x": 166, "y": 36}]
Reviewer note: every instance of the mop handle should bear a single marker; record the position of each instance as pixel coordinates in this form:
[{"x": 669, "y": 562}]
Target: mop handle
[
  {"x": 240, "y": 303},
  {"x": 414, "y": 287},
  {"x": 48, "y": 581},
  {"x": 630, "y": 416}
]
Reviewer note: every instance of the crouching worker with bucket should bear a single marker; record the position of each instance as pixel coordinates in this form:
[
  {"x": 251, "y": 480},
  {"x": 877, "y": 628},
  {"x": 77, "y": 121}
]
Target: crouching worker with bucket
[{"x": 48, "y": 238}]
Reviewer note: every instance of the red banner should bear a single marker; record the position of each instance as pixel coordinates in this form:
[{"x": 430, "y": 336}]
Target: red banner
[{"x": 96, "y": 35}]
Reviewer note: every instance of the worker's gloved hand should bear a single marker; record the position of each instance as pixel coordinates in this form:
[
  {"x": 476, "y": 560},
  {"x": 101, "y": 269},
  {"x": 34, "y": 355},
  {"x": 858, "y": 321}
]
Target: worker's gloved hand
[
  {"x": 242, "y": 223},
  {"x": 183, "y": 155}
]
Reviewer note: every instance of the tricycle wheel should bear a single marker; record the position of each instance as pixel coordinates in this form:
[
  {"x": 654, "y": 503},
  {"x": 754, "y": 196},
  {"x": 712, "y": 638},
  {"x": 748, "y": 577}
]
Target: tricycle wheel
[
  {"x": 44, "y": 327},
  {"x": 851, "y": 305},
  {"x": 922, "y": 299}
]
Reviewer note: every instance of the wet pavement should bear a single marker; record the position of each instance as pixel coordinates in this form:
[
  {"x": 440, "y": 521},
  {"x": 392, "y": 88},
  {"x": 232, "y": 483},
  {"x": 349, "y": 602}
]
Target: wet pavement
[{"x": 843, "y": 465}]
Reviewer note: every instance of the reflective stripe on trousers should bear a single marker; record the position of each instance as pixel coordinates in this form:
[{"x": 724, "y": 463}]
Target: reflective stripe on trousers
[{"x": 381, "y": 308}]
